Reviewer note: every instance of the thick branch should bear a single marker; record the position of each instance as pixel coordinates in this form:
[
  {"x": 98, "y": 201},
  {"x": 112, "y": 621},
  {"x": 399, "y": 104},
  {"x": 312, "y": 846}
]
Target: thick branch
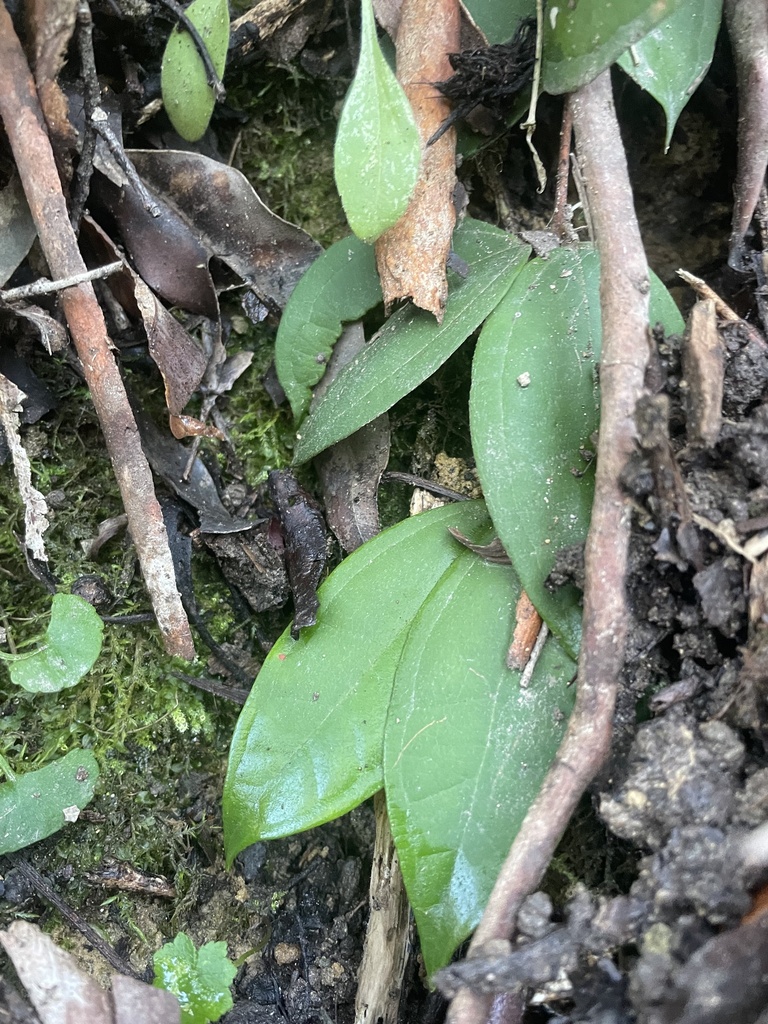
[
  {"x": 624, "y": 289},
  {"x": 23, "y": 120}
]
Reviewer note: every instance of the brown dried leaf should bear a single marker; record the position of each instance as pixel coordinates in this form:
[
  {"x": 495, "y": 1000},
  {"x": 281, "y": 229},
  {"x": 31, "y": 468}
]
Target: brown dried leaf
[
  {"x": 231, "y": 222},
  {"x": 412, "y": 255},
  {"x": 704, "y": 370}
]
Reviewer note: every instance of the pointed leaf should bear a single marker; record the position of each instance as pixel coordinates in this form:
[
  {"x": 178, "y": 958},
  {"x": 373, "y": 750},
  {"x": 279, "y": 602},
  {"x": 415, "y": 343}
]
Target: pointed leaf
[
  {"x": 341, "y": 286},
  {"x": 378, "y": 149},
  {"x": 188, "y": 98},
  {"x": 533, "y": 408},
  {"x": 583, "y": 39},
  {"x": 465, "y": 748},
  {"x": 308, "y": 743},
  {"x": 70, "y": 647},
  {"x": 412, "y": 345},
  {"x": 671, "y": 61},
  {"x": 39, "y": 803}
]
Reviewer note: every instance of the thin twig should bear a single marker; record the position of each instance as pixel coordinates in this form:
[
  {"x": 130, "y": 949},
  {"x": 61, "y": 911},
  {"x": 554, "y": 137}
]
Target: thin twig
[
  {"x": 46, "y": 892},
  {"x": 100, "y": 121},
  {"x": 91, "y": 99},
  {"x": 46, "y": 287},
  {"x": 561, "y": 218},
  {"x": 23, "y": 121},
  {"x": 624, "y": 290},
  {"x": 395, "y": 477}
]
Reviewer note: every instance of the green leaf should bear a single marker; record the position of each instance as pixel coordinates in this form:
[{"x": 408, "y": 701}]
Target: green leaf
[
  {"x": 498, "y": 19},
  {"x": 70, "y": 647},
  {"x": 37, "y": 804},
  {"x": 583, "y": 39},
  {"x": 199, "y": 979},
  {"x": 465, "y": 748},
  {"x": 671, "y": 61},
  {"x": 189, "y": 99},
  {"x": 378, "y": 150},
  {"x": 527, "y": 432},
  {"x": 412, "y": 345},
  {"x": 308, "y": 743},
  {"x": 342, "y": 285}
]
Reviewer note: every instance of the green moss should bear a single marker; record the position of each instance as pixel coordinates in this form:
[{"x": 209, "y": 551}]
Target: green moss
[{"x": 286, "y": 148}]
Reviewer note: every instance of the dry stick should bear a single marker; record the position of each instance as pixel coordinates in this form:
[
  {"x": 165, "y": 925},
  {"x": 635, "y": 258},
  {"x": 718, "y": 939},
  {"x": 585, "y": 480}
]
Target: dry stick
[
  {"x": 561, "y": 219},
  {"x": 23, "y": 120},
  {"x": 624, "y": 288}
]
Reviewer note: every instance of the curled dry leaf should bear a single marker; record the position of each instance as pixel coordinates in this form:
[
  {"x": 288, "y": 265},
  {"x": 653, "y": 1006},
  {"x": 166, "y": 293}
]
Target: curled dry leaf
[
  {"x": 412, "y": 255},
  {"x": 35, "y": 508}
]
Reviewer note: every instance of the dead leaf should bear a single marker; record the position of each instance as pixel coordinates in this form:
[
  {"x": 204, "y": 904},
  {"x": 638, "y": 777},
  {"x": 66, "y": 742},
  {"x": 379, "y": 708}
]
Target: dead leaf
[
  {"x": 350, "y": 471},
  {"x": 62, "y": 993},
  {"x": 305, "y": 545},
  {"x": 412, "y": 256},
  {"x": 35, "y": 508},
  {"x": 704, "y": 370},
  {"x": 17, "y": 229},
  {"x": 231, "y": 222}
]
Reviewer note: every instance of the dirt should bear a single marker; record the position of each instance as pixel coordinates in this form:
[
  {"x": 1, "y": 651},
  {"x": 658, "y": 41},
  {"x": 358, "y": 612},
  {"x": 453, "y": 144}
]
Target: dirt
[{"x": 663, "y": 941}]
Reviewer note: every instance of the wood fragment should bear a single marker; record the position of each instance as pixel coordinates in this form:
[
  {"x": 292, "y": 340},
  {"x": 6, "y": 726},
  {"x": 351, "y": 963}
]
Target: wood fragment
[
  {"x": 23, "y": 120},
  {"x": 385, "y": 951},
  {"x": 527, "y": 625},
  {"x": 704, "y": 371},
  {"x": 412, "y": 255}
]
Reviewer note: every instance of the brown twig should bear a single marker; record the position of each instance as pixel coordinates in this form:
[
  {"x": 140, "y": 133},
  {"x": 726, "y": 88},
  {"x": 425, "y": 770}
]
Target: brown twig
[
  {"x": 23, "y": 120},
  {"x": 45, "y": 287},
  {"x": 561, "y": 218},
  {"x": 49, "y": 894},
  {"x": 624, "y": 289}
]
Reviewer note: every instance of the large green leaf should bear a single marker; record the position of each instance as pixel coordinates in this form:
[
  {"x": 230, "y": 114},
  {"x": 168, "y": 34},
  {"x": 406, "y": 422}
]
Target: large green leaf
[
  {"x": 308, "y": 743},
  {"x": 533, "y": 407},
  {"x": 378, "y": 150},
  {"x": 583, "y": 39},
  {"x": 673, "y": 58},
  {"x": 187, "y": 96},
  {"x": 341, "y": 285},
  {"x": 498, "y": 19},
  {"x": 412, "y": 345},
  {"x": 71, "y": 645},
  {"x": 37, "y": 804},
  {"x": 465, "y": 748}
]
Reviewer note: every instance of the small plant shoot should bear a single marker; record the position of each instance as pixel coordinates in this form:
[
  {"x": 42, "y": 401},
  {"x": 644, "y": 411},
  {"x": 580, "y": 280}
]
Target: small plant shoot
[
  {"x": 378, "y": 150},
  {"x": 199, "y": 978},
  {"x": 68, "y": 650}
]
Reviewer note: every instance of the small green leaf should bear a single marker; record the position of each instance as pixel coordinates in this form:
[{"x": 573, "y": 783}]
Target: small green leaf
[
  {"x": 412, "y": 345},
  {"x": 533, "y": 408},
  {"x": 341, "y": 286},
  {"x": 498, "y": 19},
  {"x": 199, "y": 979},
  {"x": 671, "y": 61},
  {"x": 37, "y": 804},
  {"x": 70, "y": 647},
  {"x": 378, "y": 149},
  {"x": 308, "y": 743},
  {"x": 465, "y": 748},
  {"x": 189, "y": 99},
  {"x": 583, "y": 39}
]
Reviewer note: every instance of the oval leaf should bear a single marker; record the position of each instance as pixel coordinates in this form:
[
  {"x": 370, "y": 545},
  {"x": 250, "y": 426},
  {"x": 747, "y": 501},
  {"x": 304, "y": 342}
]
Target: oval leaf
[
  {"x": 342, "y": 285},
  {"x": 70, "y": 647},
  {"x": 39, "y": 803},
  {"x": 533, "y": 408},
  {"x": 465, "y": 748},
  {"x": 378, "y": 149},
  {"x": 412, "y": 345},
  {"x": 308, "y": 743},
  {"x": 671, "y": 61},
  {"x": 189, "y": 99},
  {"x": 583, "y": 39}
]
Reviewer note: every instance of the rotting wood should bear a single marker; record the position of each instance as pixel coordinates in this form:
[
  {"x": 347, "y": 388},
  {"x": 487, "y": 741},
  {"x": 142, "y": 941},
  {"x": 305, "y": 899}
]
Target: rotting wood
[
  {"x": 23, "y": 121},
  {"x": 624, "y": 293}
]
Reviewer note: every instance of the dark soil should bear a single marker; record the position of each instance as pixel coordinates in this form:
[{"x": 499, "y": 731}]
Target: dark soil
[{"x": 663, "y": 940}]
